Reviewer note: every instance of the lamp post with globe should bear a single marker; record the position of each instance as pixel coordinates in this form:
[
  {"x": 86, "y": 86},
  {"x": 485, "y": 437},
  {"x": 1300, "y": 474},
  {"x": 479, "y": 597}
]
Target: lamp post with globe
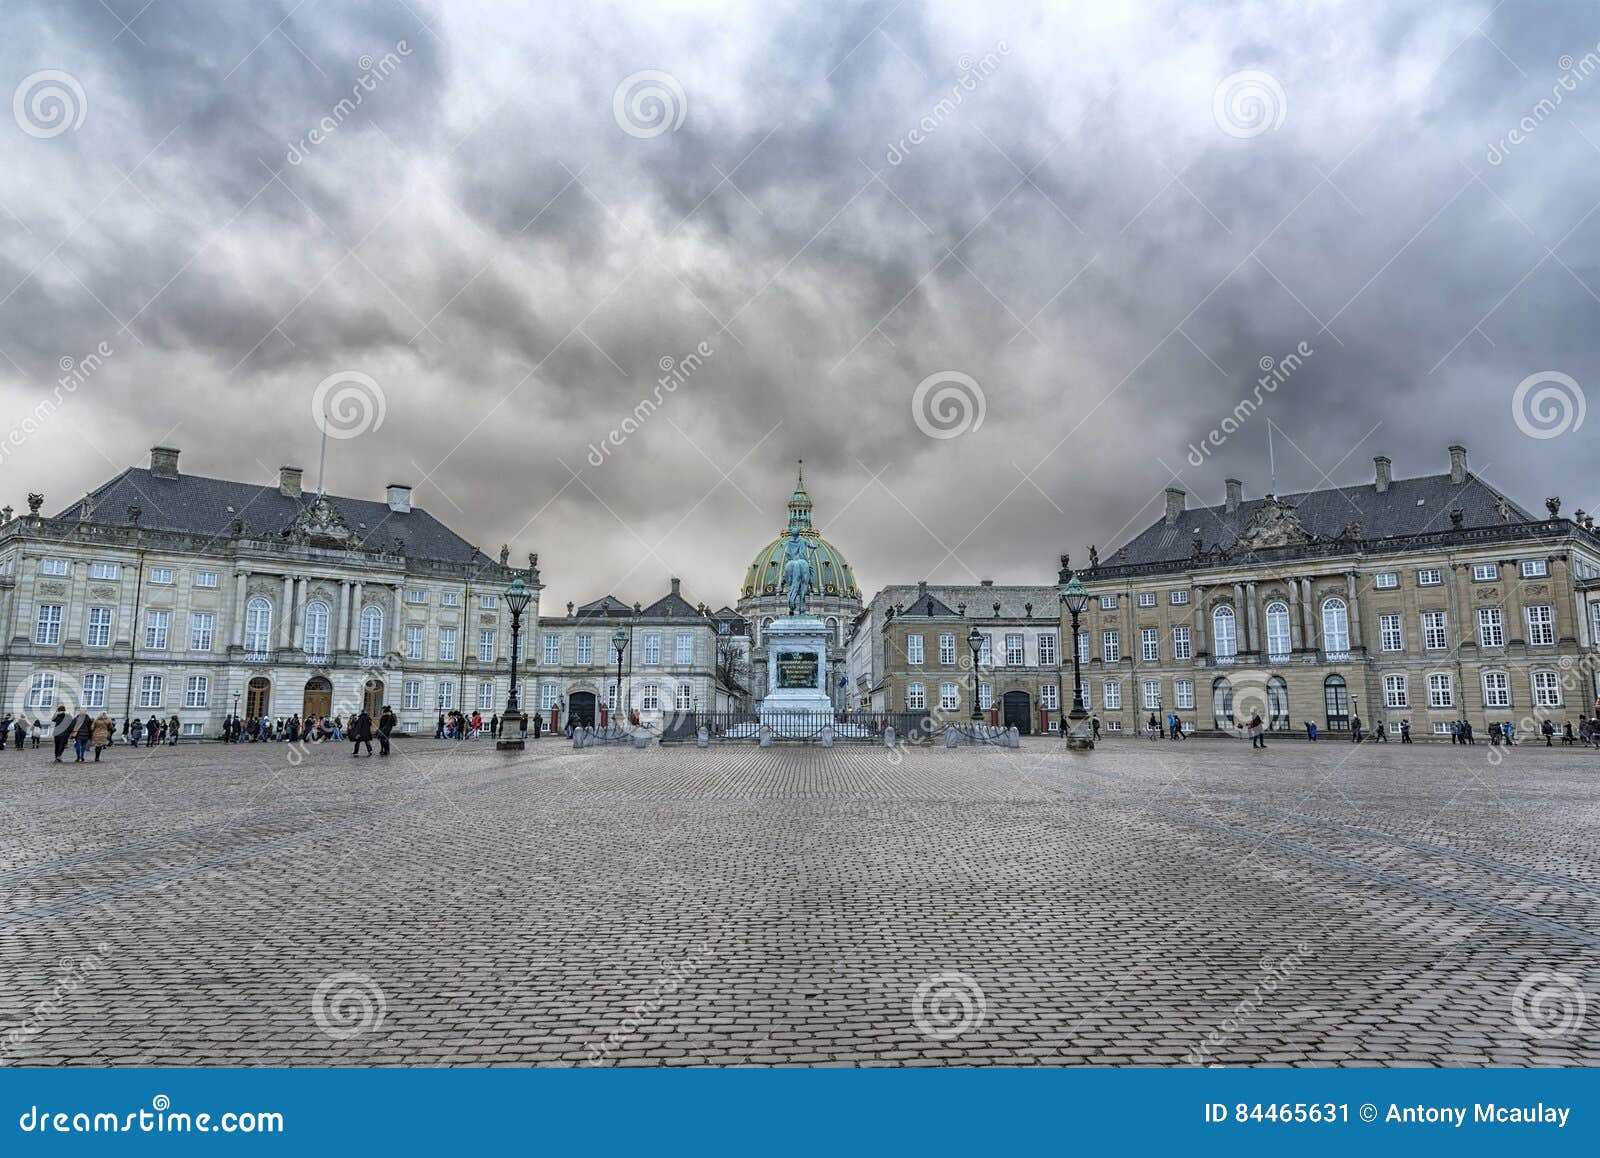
[
  {"x": 1076, "y": 601},
  {"x": 517, "y": 597}
]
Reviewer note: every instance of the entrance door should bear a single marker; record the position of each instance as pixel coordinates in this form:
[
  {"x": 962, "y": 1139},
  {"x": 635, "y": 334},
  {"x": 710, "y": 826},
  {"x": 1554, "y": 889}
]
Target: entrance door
[
  {"x": 580, "y": 709},
  {"x": 318, "y": 699},
  {"x": 1016, "y": 713},
  {"x": 257, "y": 696},
  {"x": 1336, "y": 698},
  {"x": 372, "y": 697}
]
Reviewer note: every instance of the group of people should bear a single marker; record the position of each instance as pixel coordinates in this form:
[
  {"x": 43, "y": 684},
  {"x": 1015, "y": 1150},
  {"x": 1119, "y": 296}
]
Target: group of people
[
  {"x": 83, "y": 732},
  {"x": 291, "y": 729},
  {"x": 457, "y": 725},
  {"x": 1155, "y": 729}
]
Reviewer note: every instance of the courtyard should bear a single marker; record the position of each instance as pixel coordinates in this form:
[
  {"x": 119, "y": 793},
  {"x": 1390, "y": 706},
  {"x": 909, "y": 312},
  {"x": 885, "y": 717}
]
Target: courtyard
[{"x": 1147, "y": 904}]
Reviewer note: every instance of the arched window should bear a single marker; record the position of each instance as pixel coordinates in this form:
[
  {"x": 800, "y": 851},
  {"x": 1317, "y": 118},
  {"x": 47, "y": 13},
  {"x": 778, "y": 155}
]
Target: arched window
[
  {"x": 1224, "y": 639},
  {"x": 833, "y": 631},
  {"x": 317, "y": 616},
  {"x": 1336, "y": 699},
  {"x": 1335, "y": 626},
  {"x": 765, "y": 623},
  {"x": 258, "y": 626},
  {"x": 1277, "y": 630},
  {"x": 1277, "y": 702},
  {"x": 372, "y": 632},
  {"x": 1222, "y": 702}
]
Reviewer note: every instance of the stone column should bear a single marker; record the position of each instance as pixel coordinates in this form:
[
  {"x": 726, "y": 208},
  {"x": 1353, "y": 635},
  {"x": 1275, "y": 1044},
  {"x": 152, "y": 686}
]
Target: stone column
[
  {"x": 1255, "y": 620},
  {"x": 1308, "y": 617},
  {"x": 1241, "y": 628},
  {"x": 286, "y": 612},
  {"x": 354, "y": 625},
  {"x": 397, "y": 632},
  {"x": 1197, "y": 596},
  {"x": 302, "y": 588},
  {"x": 241, "y": 579},
  {"x": 1295, "y": 635},
  {"x": 1355, "y": 610},
  {"x": 339, "y": 632}
]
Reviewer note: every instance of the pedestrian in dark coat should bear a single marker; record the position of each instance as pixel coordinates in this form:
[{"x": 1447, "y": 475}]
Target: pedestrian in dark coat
[
  {"x": 386, "y": 724},
  {"x": 361, "y": 733},
  {"x": 61, "y": 724}
]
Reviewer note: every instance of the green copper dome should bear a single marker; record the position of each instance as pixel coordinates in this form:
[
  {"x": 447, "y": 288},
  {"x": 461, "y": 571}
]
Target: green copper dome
[{"x": 832, "y": 571}]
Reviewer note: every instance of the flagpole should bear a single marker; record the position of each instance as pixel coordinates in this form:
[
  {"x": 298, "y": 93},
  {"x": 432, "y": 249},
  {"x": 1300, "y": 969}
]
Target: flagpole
[
  {"x": 1272, "y": 462},
  {"x": 322, "y": 455}
]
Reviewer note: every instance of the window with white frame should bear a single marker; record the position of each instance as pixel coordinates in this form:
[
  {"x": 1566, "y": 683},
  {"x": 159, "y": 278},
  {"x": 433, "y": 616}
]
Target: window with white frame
[
  {"x": 1546, "y": 689},
  {"x": 257, "y": 626},
  {"x": 1386, "y": 580},
  {"x": 650, "y": 698},
  {"x": 447, "y": 644},
  {"x": 685, "y": 699},
  {"x": 1183, "y": 694},
  {"x": 152, "y": 689},
  {"x": 1014, "y": 653},
  {"x": 1181, "y": 646},
  {"x": 1535, "y": 568},
  {"x": 1108, "y": 603},
  {"x": 53, "y": 567},
  {"x": 162, "y": 576},
  {"x": 1441, "y": 690},
  {"x": 1047, "y": 649},
  {"x": 585, "y": 649},
  {"x": 97, "y": 629},
  {"x": 94, "y": 690},
  {"x": 986, "y": 650},
  {"x": 416, "y": 595},
  {"x": 486, "y": 638},
  {"x": 916, "y": 697},
  {"x": 947, "y": 647},
  {"x": 1110, "y": 646},
  {"x": 485, "y": 695},
  {"x": 202, "y": 630},
  {"x": 413, "y": 641},
  {"x": 319, "y": 619},
  {"x": 1491, "y": 627},
  {"x": 1111, "y": 696},
  {"x": 1335, "y": 626},
  {"x": 1396, "y": 692},
  {"x": 652, "y": 647},
  {"x": 683, "y": 652},
  {"x": 1147, "y": 599},
  {"x": 1179, "y": 598},
  {"x": 1429, "y": 577},
  {"x": 985, "y": 696},
  {"x": 447, "y": 695},
  {"x": 449, "y": 599},
  {"x": 552, "y": 647},
  {"x": 489, "y": 602},
  {"x": 47, "y": 624},
  {"x": 411, "y": 696},
  {"x": 1496, "y": 689},
  {"x": 1541, "y": 624},
  {"x": 1391, "y": 635},
  {"x": 949, "y": 701},
  {"x": 1048, "y": 699},
  {"x": 1485, "y": 572},
  {"x": 1277, "y": 630},
  {"x": 104, "y": 570},
  {"x": 155, "y": 629},
  {"x": 197, "y": 691},
  {"x": 611, "y": 697},
  {"x": 205, "y": 578},
  {"x": 372, "y": 632},
  {"x": 1434, "y": 635},
  {"x": 913, "y": 649},
  {"x": 1152, "y": 694},
  {"x": 42, "y": 691},
  {"x": 1224, "y": 639},
  {"x": 548, "y": 693},
  {"x": 1149, "y": 644}
]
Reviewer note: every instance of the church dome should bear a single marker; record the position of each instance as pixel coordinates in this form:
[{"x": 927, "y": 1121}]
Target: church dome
[{"x": 832, "y": 570}]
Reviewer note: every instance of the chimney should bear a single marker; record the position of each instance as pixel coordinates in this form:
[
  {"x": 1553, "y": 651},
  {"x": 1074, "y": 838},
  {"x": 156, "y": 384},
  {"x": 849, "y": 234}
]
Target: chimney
[
  {"x": 1458, "y": 464},
  {"x": 164, "y": 461},
  {"x": 676, "y": 584},
  {"x": 1175, "y": 497},
  {"x": 985, "y": 582},
  {"x": 1235, "y": 493},
  {"x": 400, "y": 498},
  {"x": 922, "y": 587},
  {"x": 1382, "y": 475},
  {"x": 289, "y": 481}
]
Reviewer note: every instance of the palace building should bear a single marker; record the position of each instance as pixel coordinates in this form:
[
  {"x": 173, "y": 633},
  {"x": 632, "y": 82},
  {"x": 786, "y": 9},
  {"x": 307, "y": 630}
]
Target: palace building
[{"x": 1427, "y": 599}]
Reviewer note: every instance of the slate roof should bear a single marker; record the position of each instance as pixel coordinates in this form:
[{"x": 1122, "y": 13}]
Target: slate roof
[
  {"x": 672, "y": 606},
  {"x": 607, "y": 606},
  {"x": 194, "y": 504},
  {"x": 980, "y": 600}
]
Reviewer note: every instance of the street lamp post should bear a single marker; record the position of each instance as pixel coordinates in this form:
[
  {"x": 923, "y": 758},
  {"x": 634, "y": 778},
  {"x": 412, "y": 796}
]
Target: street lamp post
[
  {"x": 517, "y": 599},
  {"x": 975, "y": 642},
  {"x": 1076, "y": 601},
  {"x": 619, "y": 644}
]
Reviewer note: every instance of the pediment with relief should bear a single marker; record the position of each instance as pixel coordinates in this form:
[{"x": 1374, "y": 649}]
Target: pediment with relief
[
  {"x": 1274, "y": 524},
  {"x": 320, "y": 525}
]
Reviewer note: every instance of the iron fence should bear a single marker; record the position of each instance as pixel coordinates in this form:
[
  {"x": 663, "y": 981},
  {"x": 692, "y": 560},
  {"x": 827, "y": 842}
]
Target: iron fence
[{"x": 744, "y": 726}]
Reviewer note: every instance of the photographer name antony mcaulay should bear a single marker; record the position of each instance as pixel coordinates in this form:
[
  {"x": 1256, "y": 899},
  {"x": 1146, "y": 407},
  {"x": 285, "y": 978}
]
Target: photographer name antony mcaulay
[{"x": 1487, "y": 1112}]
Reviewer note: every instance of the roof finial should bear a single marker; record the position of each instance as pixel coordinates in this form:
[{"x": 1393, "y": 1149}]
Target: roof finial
[{"x": 800, "y": 473}]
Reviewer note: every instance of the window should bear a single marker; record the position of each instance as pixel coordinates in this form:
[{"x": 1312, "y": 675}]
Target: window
[
  {"x": 1111, "y": 696},
  {"x": 1395, "y": 692},
  {"x": 486, "y": 695},
  {"x": 1441, "y": 727},
  {"x": 1441, "y": 690},
  {"x": 947, "y": 647},
  {"x": 1541, "y": 624},
  {"x": 1181, "y": 647},
  {"x": 155, "y": 629},
  {"x": 1183, "y": 694},
  {"x": 94, "y": 690},
  {"x": 1277, "y": 630},
  {"x": 205, "y": 578},
  {"x": 985, "y": 651},
  {"x": 489, "y": 602},
  {"x": 1535, "y": 568},
  {"x": 1335, "y": 627},
  {"x": 318, "y": 618},
  {"x": 1336, "y": 703},
  {"x": 1491, "y": 627},
  {"x": 1110, "y": 646},
  {"x": 948, "y": 700},
  {"x": 913, "y": 649},
  {"x": 447, "y": 645},
  {"x": 372, "y": 632},
  {"x": 547, "y": 696},
  {"x": 1390, "y": 635},
  {"x": 585, "y": 650},
  {"x": 1147, "y": 599},
  {"x": 53, "y": 567},
  {"x": 1108, "y": 603},
  {"x": 611, "y": 697},
  {"x": 449, "y": 599},
  {"x": 685, "y": 698},
  {"x": 202, "y": 628},
  {"x": 1386, "y": 580},
  {"x": 416, "y": 595},
  {"x": 916, "y": 698},
  {"x": 1434, "y": 636},
  {"x": 1223, "y": 637},
  {"x": 104, "y": 571},
  {"x": 1149, "y": 644},
  {"x": 552, "y": 647},
  {"x": 1014, "y": 653},
  {"x": 486, "y": 645},
  {"x": 42, "y": 691},
  {"x": 1496, "y": 689},
  {"x": 1152, "y": 694},
  {"x": 413, "y": 641},
  {"x": 197, "y": 691},
  {"x": 684, "y": 652},
  {"x": 411, "y": 696},
  {"x": 97, "y": 633},
  {"x": 1546, "y": 689},
  {"x": 1485, "y": 572},
  {"x": 1429, "y": 577},
  {"x": 652, "y": 647},
  {"x": 985, "y": 696},
  {"x": 1180, "y": 598},
  {"x": 257, "y": 626},
  {"x": 47, "y": 624},
  {"x": 152, "y": 689},
  {"x": 447, "y": 695},
  {"x": 1277, "y": 703},
  {"x": 1083, "y": 647},
  {"x": 1047, "y": 649},
  {"x": 1048, "y": 698},
  {"x": 1221, "y": 703},
  {"x": 161, "y": 576}
]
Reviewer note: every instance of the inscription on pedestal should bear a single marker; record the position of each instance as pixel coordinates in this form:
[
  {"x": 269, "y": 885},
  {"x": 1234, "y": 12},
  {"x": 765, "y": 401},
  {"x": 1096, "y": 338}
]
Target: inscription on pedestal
[{"x": 797, "y": 669}]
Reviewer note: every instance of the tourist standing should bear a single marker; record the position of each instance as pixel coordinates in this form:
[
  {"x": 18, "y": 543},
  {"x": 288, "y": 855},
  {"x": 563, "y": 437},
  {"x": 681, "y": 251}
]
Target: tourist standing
[
  {"x": 37, "y": 731},
  {"x": 61, "y": 725},
  {"x": 101, "y": 734},
  {"x": 82, "y": 733},
  {"x": 361, "y": 733},
  {"x": 386, "y": 724},
  {"x": 1405, "y": 731}
]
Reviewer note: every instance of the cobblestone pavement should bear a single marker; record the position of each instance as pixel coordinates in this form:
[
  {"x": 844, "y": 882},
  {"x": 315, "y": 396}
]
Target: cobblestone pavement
[{"x": 1149, "y": 903}]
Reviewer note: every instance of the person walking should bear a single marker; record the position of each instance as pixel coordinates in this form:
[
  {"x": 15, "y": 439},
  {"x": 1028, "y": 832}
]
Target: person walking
[
  {"x": 37, "y": 730},
  {"x": 438, "y": 728},
  {"x": 361, "y": 733},
  {"x": 100, "y": 735},
  {"x": 172, "y": 731},
  {"x": 1549, "y": 730},
  {"x": 386, "y": 724},
  {"x": 1311, "y": 731},
  {"x": 61, "y": 725},
  {"x": 1405, "y": 731},
  {"x": 1355, "y": 730},
  {"x": 82, "y": 733},
  {"x": 1258, "y": 737},
  {"x": 19, "y": 731},
  {"x": 1380, "y": 734}
]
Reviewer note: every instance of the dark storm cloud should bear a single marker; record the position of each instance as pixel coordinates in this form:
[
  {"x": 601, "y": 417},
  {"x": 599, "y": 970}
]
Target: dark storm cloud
[{"x": 1074, "y": 230}]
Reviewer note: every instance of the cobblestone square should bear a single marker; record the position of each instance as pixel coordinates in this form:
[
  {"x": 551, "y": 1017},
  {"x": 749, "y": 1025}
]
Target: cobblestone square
[{"x": 1147, "y": 904}]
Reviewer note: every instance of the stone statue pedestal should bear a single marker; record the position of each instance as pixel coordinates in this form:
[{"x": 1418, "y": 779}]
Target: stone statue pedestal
[{"x": 797, "y": 700}]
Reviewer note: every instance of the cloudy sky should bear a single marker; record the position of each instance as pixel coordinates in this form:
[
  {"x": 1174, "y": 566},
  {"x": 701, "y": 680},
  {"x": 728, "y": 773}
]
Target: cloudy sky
[{"x": 992, "y": 270}]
